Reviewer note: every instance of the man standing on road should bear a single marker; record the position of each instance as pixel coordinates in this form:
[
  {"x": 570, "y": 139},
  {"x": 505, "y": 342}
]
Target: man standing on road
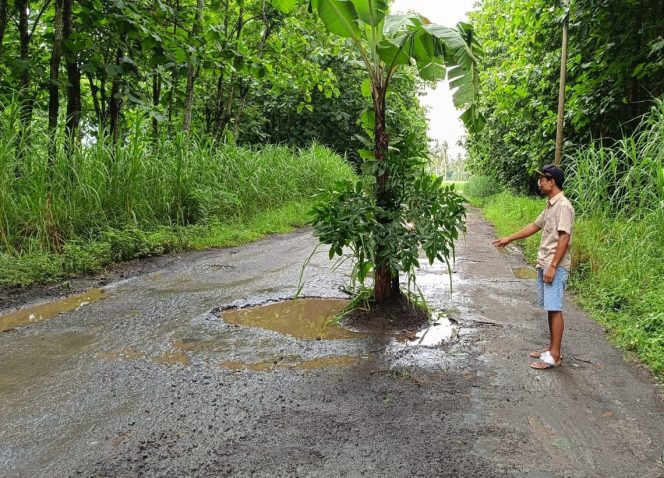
[{"x": 553, "y": 259}]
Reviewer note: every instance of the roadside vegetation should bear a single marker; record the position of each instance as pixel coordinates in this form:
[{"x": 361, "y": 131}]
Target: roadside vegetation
[
  {"x": 137, "y": 128},
  {"x": 108, "y": 202},
  {"x": 618, "y": 193},
  {"x": 614, "y": 145}
]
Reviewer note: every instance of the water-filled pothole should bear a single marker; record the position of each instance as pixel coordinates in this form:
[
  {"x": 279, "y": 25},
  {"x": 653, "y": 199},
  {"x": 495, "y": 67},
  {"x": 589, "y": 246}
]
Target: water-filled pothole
[
  {"x": 525, "y": 273},
  {"x": 37, "y": 313},
  {"x": 441, "y": 330},
  {"x": 311, "y": 319}
]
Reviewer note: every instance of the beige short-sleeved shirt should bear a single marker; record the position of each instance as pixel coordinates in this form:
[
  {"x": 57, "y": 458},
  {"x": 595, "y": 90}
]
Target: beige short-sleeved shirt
[{"x": 557, "y": 216}]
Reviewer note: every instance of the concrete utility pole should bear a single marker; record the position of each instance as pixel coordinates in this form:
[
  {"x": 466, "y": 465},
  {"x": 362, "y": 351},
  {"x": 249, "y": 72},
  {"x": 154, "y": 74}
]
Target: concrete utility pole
[{"x": 561, "y": 93}]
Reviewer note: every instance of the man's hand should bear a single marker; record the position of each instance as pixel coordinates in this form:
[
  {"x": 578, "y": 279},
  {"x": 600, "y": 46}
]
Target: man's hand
[
  {"x": 549, "y": 275},
  {"x": 502, "y": 242}
]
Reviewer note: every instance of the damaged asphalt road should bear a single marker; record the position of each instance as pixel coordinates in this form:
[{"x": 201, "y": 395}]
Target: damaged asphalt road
[{"x": 145, "y": 380}]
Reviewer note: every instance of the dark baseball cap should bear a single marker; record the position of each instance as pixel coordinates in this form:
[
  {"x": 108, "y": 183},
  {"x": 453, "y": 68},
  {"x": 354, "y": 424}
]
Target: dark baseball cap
[{"x": 552, "y": 171}]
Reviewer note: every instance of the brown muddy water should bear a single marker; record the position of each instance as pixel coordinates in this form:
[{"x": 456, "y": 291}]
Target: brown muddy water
[
  {"x": 309, "y": 319},
  {"x": 37, "y": 313},
  {"x": 527, "y": 273},
  {"x": 315, "y": 319}
]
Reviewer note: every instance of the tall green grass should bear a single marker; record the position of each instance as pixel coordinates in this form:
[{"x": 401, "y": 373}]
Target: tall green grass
[
  {"x": 478, "y": 188},
  {"x": 626, "y": 180},
  {"x": 127, "y": 197}
]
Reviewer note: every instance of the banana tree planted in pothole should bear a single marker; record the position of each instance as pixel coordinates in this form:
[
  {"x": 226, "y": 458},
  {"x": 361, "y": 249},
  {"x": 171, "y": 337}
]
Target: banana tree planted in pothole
[{"x": 395, "y": 209}]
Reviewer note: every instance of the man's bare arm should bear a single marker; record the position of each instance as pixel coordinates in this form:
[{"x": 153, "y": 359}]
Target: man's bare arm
[{"x": 527, "y": 231}]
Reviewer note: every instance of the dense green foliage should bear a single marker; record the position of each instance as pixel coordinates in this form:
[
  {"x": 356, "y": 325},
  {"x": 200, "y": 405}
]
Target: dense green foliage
[
  {"x": 142, "y": 189},
  {"x": 238, "y": 71},
  {"x": 626, "y": 180},
  {"x": 615, "y": 69},
  {"x": 119, "y": 120},
  {"x": 429, "y": 218}
]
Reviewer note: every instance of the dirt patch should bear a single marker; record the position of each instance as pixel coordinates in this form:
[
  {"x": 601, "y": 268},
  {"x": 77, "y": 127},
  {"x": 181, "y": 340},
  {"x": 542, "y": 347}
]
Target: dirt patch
[{"x": 398, "y": 315}]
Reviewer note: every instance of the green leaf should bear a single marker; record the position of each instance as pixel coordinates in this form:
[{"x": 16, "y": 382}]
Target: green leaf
[
  {"x": 473, "y": 119},
  {"x": 395, "y": 51},
  {"x": 180, "y": 55},
  {"x": 366, "y": 88},
  {"x": 340, "y": 17},
  {"x": 371, "y": 12},
  {"x": 285, "y": 6},
  {"x": 433, "y": 70},
  {"x": 368, "y": 119},
  {"x": 397, "y": 23}
]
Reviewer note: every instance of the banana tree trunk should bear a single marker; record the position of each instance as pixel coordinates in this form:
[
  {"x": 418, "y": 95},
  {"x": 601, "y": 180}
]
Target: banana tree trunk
[{"x": 386, "y": 286}]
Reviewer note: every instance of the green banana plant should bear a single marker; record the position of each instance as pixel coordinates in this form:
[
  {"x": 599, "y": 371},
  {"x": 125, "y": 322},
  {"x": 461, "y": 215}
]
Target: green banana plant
[{"x": 385, "y": 44}]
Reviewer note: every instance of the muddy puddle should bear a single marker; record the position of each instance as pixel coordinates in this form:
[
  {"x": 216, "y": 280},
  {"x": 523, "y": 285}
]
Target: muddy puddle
[
  {"x": 37, "y": 313},
  {"x": 525, "y": 273},
  {"x": 308, "y": 319},
  {"x": 314, "y": 319},
  {"x": 441, "y": 330}
]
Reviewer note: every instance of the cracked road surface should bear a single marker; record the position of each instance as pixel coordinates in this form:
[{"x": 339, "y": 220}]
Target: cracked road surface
[{"x": 144, "y": 380}]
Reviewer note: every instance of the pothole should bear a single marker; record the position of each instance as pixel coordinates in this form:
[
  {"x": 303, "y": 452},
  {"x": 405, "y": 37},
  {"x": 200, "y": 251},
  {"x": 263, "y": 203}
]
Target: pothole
[
  {"x": 441, "y": 330},
  {"x": 37, "y": 313},
  {"x": 313, "y": 319},
  {"x": 525, "y": 273},
  {"x": 309, "y": 319}
]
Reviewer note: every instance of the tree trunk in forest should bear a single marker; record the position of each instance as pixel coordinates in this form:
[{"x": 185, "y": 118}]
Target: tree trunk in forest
[
  {"x": 561, "y": 93},
  {"x": 54, "y": 87},
  {"x": 24, "y": 78},
  {"x": 94, "y": 91},
  {"x": 73, "y": 76},
  {"x": 103, "y": 102},
  {"x": 156, "y": 97},
  {"x": 174, "y": 81},
  {"x": 3, "y": 21},
  {"x": 634, "y": 87},
  {"x": 386, "y": 286},
  {"x": 244, "y": 90},
  {"x": 192, "y": 71},
  {"x": 115, "y": 102}
]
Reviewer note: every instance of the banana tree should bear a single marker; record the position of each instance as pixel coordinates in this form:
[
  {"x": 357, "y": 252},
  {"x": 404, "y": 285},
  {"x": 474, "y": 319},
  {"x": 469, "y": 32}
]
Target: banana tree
[{"x": 385, "y": 44}]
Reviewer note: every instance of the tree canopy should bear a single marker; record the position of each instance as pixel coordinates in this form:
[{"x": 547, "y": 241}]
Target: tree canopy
[
  {"x": 239, "y": 71},
  {"x": 615, "y": 69}
]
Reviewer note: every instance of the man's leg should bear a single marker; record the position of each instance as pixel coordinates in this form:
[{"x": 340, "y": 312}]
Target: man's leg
[{"x": 556, "y": 328}]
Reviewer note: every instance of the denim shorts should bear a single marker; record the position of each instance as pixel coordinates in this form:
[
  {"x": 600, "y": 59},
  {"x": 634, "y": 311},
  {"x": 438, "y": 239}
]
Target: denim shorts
[{"x": 551, "y": 295}]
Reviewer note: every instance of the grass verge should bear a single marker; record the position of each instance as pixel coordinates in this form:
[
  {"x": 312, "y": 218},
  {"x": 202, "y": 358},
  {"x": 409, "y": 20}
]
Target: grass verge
[
  {"x": 617, "y": 273},
  {"x": 115, "y": 245}
]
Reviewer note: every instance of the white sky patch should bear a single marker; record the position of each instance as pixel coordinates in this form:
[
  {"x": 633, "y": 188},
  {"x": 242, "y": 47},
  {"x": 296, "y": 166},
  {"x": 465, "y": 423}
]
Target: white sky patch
[{"x": 444, "y": 123}]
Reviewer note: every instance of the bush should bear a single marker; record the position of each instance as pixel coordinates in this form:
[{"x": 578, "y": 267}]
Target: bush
[{"x": 478, "y": 188}]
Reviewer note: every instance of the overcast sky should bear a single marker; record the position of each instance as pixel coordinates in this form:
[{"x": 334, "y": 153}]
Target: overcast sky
[{"x": 444, "y": 123}]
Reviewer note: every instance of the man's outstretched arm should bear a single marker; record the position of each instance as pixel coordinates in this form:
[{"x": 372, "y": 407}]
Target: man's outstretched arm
[{"x": 527, "y": 231}]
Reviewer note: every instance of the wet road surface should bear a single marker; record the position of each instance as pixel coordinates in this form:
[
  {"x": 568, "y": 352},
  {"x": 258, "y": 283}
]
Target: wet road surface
[{"x": 143, "y": 378}]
